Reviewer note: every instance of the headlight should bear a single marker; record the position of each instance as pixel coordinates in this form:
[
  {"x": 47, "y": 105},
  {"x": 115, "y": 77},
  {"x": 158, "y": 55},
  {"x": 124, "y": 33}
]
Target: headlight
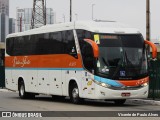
[
  {"x": 102, "y": 84},
  {"x": 105, "y": 85},
  {"x": 144, "y": 84}
]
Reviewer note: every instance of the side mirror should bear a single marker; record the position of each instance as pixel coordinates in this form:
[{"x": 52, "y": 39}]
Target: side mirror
[
  {"x": 154, "y": 48},
  {"x": 94, "y": 47}
]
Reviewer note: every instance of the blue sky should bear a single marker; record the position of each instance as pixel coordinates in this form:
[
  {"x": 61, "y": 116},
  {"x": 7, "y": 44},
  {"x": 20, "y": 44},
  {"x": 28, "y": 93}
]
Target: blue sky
[{"x": 132, "y": 12}]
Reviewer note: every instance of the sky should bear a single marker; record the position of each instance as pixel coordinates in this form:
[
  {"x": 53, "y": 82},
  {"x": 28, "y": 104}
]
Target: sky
[{"x": 131, "y": 12}]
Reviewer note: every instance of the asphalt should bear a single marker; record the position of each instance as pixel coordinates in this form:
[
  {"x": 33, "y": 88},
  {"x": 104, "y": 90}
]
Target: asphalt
[{"x": 147, "y": 101}]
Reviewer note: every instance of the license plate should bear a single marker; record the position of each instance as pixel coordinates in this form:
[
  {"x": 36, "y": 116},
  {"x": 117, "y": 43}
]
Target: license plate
[{"x": 125, "y": 94}]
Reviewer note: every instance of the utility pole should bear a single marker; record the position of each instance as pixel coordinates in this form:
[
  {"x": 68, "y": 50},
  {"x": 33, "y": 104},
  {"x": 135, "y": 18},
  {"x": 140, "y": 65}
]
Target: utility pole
[
  {"x": 20, "y": 21},
  {"x": 20, "y": 24},
  {"x": 92, "y": 11},
  {"x": 148, "y": 20},
  {"x": 76, "y": 16},
  {"x": 64, "y": 18},
  {"x": 70, "y": 10},
  {"x": 45, "y": 12}
]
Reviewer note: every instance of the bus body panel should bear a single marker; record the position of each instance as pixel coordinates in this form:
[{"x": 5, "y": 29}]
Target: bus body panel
[
  {"x": 88, "y": 88},
  {"x": 55, "y": 82},
  {"x": 74, "y": 75},
  {"x": 8, "y": 79},
  {"x": 32, "y": 80}
]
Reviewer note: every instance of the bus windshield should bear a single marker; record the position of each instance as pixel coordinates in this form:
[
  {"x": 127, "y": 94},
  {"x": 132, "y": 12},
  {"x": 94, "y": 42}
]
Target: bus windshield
[{"x": 121, "y": 56}]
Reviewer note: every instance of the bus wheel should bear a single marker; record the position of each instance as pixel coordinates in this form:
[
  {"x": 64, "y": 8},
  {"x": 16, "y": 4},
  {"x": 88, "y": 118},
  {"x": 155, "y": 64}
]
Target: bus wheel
[
  {"x": 119, "y": 102},
  {"x": 22, "y": 93},
  {"x": 74, "y": 94}
]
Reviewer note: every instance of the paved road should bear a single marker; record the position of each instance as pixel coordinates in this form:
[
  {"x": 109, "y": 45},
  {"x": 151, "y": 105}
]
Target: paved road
[{"x": 10, "y": 101}]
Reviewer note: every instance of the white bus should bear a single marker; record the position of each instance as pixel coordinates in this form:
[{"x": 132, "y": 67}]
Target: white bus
[{"x": 87, "y": 59}]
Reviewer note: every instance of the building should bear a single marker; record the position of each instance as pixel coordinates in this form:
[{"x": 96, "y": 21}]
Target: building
[
  {"x": 24, "y": 17},
  {"x": 12, "y": 25},
  {"x": 4, "y": 26},
  {"x": 4, "y": 7},
  {"x": 4, "y": 19}
]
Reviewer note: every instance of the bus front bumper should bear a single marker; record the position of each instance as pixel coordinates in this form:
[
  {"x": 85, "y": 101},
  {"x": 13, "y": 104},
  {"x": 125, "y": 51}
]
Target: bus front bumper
[{"x": 107, "y": 93}]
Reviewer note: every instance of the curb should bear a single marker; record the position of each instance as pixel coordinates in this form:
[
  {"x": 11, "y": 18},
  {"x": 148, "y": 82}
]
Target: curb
[{"x": 5, "y": 90}]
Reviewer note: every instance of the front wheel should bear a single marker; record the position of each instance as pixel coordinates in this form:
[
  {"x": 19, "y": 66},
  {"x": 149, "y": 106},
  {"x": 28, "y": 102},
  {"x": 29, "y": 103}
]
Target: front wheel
[{"x": 74, "y": 94}]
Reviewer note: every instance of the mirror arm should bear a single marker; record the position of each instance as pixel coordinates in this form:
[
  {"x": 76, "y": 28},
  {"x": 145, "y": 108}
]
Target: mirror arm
[
  {"x": 94, "y": 47},
  {"x": 154, "y": 48}
]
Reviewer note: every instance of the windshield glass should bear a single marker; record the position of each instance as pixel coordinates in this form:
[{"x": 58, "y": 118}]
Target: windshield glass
[{"x": 121, "y": 56}]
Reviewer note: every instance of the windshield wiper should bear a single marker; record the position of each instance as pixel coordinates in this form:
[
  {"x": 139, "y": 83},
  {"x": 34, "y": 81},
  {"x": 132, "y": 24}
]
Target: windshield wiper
[{"x": 106, "y": 63}]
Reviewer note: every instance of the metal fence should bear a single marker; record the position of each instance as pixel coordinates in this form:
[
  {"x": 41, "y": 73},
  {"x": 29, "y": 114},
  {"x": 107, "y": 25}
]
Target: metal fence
[{"x": 154, "y": 84}]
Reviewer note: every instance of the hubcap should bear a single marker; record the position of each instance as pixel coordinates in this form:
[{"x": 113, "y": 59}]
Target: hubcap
[
  {"x": 75, "y": 93},
  {"x": 22, "y": 90}
]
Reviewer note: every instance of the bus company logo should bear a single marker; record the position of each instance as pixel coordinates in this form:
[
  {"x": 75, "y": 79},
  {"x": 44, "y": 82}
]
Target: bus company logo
[{"x": 24, "y": 61}]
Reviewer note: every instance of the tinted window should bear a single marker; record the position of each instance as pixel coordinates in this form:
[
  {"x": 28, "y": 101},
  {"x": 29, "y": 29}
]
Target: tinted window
[
  {"x": 55, "y": 44},
  {"x": 46, "y": 43},
  {"x": 9, "y": 46},
  {"x": 69, "y": 43},
  {"x": 83, "y": 34},
  {"x": 86, "y": 49}
]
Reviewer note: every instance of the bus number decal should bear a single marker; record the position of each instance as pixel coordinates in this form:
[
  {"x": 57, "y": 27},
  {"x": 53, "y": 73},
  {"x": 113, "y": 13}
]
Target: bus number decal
[{"x": 71, "y": 64}]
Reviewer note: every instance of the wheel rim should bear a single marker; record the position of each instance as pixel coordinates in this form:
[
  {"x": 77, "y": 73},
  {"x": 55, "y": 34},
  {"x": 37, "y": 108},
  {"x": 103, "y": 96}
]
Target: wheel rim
[
  {"x": 75, "y": 93},
  {"x": 22, "y": 90}
]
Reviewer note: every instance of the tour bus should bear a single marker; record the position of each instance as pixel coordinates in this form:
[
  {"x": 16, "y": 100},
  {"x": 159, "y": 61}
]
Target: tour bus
[{"x": 103, "y": 60}]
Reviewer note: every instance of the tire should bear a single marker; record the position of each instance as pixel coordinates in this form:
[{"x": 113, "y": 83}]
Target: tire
[
  {"x": 22, "y": 93},
  {"x": 74, "y": 94},
  {"x": 119, "y": 102}
]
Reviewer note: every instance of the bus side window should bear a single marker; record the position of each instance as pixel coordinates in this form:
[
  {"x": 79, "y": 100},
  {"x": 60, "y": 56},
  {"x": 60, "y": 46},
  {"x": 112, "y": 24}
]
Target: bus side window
[
  {"x": 87, "y": 55},
  {"x": 9, "y": 46},
  {"x": 86, "y": 49},
  {"x": 55, "y": 43},
  {"x": 70, "y": 46},
  {"x": 18, "y": 46}
]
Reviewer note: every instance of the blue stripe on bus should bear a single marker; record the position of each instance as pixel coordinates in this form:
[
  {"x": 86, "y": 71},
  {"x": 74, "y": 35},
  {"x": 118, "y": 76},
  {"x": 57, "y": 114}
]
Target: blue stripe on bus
[
  {"x": 44, "y": 68},
  {"x": 113, "y": 83}
]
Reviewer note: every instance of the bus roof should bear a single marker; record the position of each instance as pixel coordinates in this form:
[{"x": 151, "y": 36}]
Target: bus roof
[{"x": 93, "y": 26}]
